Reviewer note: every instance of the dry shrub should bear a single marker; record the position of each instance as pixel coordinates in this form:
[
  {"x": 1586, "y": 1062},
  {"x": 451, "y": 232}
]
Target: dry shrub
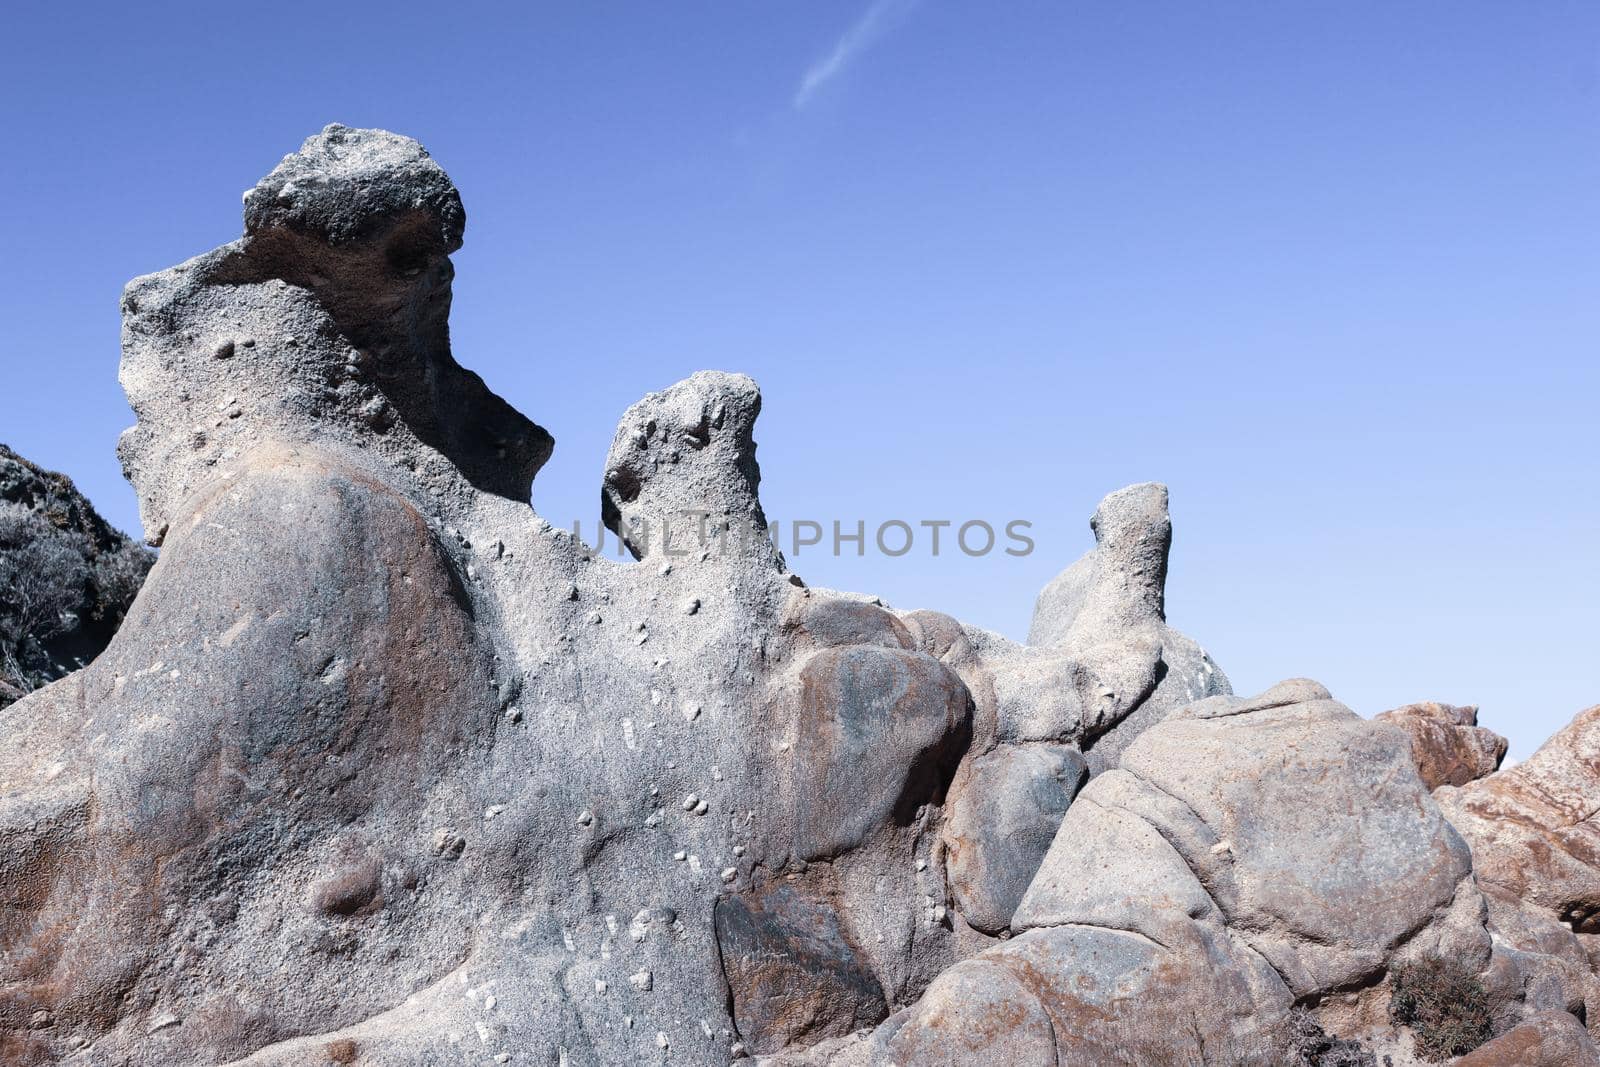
[{"x": 1446, "y": 1008}]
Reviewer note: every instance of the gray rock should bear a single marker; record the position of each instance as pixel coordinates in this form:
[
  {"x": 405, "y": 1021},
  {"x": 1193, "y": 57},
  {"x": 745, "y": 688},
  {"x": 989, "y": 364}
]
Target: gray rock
[
  {"x": 1539, "y": 964},
  {"x": 1003, "y": 812},
  {"x": 1060, "y": 601},
  {"x": 793, "y": 970},
  {"x": 1319, "y": 815},
  {"x": 375, "y": 721},
  {"x": 1133, "y": 537},
  {"x": 1221, "y": 897},
  {"x": 345, "y": 185},
  {"x": 1081, "y": 996},
  {"x": 681, "y": 477},
  {"x": 1102, "y": 621},
  {"x": 1102, "y": 667},
  {"x": 337, "y": 303}
]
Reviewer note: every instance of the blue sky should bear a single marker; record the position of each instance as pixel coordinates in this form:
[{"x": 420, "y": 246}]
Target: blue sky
[{"x": 1329, "y": 270}]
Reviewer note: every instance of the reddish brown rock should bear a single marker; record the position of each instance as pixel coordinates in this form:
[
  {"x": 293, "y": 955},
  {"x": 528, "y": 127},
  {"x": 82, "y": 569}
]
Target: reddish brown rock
[
  {"x": 1552, "y": 1039},
  {"x": 1535, "y": 828},
  {"x": 1535, "y": 845},
  {"x": 1086, "y": 996},
  {"x": 1446, "y": 741},
  {"x": 793, "y": 970}
]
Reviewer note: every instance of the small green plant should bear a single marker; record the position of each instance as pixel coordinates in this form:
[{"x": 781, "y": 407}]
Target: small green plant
[{"x": 1444, "y": 1005}]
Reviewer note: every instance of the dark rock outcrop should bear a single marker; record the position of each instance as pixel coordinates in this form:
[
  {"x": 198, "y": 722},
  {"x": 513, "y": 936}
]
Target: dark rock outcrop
[{"x": 66, "y": 577}]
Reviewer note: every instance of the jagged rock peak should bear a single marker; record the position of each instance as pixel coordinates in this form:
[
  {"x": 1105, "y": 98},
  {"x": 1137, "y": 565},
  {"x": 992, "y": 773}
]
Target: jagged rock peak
[
  {"x": 1122, "y": 580},
  {"x": 682, "y": 470}
]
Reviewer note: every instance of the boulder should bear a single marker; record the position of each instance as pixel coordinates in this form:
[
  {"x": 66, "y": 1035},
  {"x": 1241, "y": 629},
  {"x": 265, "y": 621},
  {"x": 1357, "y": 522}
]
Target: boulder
[
  {"x": 1101, "y": 667},
  {"x": 1449, "y": 746},
  {"x": 1086, "y": 996},
  {"x": 1317, "y": 845},
  {"x": 1003, "y": 812},
  {"x": 1246, "y": 854},
  {"x": 793, "y": 969},
  {"x": 1550, "y": 1039},
  {"x": 1105, "y": 616},
  {"x": 1534, "y": 828}
]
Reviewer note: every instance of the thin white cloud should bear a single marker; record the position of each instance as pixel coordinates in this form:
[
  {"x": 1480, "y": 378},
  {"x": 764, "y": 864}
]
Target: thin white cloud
[{"x": 879, "y": 18}]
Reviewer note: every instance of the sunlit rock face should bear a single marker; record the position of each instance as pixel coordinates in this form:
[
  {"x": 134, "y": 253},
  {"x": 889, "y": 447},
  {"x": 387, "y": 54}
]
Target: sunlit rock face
[{"x": 385, "y": 769}]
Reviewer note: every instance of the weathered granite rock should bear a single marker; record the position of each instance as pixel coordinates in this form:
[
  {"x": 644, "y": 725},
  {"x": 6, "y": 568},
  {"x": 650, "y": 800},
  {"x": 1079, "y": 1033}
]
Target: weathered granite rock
[
  {"x": 700, "y": 433},
  {"x": 1102, "y": 667},
  {"x": 1538, "y": 964},
  {"x": 66, "y": 577},
  {"x": 1004, "y": 811},
  {"x": 1551, "y": 1039},
  {"x": 1318, "y": 845},
  {"x": 1085, "y": 996},
  {"x": 1535, "y": 828},
  {"x": 384, "y": 768},
  {"x": 464, "y": 788},
  {"x": 1535, "y": 846},
  {"x": 1448, "y": 744},
  {"x": 1107, "y": 614},
  {"x": 1246, "y": 855},
  {"x": 793, "y": 969},
  {"x": 328, "y": 321}
]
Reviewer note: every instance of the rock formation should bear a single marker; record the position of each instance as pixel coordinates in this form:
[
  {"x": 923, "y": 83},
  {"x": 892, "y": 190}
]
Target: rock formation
[
  {"x": 1449, "y": 746},
  {"x": 385, "y": 769},
  {"x": 1552, "y": 1039},
  {"x": 66, "y": 577},
  {"x": 1535, "y": 839}
]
